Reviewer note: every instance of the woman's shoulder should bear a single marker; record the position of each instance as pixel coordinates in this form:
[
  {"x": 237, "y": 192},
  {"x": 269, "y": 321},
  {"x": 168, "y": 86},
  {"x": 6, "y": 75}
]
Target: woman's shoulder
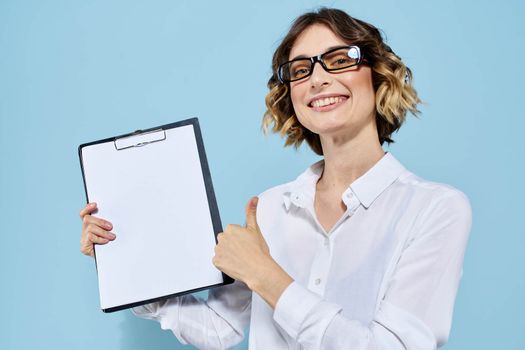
[
  {"x": 275, "y": 192},
  {"x": 429, "y": 188},
  {"x": 304, "y": 179},
  {"x": 436, "y": 197}
]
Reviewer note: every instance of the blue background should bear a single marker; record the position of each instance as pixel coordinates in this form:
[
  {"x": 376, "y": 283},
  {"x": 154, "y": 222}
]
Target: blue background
[{"x": 77, "y": 71}]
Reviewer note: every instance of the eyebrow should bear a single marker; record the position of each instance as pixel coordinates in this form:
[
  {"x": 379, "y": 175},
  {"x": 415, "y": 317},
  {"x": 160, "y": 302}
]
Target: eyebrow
[{"x": 328, "y": 49}]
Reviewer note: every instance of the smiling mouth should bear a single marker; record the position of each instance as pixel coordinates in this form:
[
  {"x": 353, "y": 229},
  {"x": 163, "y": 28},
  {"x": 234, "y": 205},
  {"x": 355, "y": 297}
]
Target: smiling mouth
[{"x": 327, "y": 101}]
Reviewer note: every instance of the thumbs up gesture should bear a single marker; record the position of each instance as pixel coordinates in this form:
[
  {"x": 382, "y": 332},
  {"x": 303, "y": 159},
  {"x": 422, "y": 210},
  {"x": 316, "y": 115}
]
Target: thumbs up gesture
[
  {"x": 251, "y": 223},
  {"x": 242, "y": 253},
  {"x": 241, "y": 250}
]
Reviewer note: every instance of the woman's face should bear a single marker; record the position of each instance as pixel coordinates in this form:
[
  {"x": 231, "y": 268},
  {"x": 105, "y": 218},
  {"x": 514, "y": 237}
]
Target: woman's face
[{"x": 331, "y": 104}]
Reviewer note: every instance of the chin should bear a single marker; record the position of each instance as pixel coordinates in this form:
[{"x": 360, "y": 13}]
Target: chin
[
  {"x": 328, "y": 131},
  {"x": 325, "y": 126}
]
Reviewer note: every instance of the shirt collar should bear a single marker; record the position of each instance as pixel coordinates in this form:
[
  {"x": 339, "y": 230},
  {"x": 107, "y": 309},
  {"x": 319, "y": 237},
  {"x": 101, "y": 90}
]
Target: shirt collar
[
  {"x": 377, "y": 179},
  {"x": 366, "y": 188}
]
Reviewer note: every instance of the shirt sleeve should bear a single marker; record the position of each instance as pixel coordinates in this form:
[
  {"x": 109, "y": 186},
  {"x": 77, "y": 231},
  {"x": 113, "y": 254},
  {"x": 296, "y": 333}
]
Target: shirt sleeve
[
  {"x": 416, "y": 310},
  {"x": 216, "y": 323}
]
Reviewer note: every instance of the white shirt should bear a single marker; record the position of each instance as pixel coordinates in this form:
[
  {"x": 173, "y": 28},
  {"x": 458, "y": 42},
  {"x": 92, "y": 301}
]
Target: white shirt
[{"x": 384, "y": 277}]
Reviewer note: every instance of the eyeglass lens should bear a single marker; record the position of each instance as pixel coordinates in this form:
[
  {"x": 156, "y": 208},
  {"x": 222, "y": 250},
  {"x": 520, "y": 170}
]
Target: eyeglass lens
[{"x": 333, "y": 60}]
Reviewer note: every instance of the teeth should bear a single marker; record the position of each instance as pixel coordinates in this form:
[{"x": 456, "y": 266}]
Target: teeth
[{"x": 326, "y": 101}]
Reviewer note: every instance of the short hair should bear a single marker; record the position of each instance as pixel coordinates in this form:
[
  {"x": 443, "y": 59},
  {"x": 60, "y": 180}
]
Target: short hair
[{"x": 391, "y": 78}]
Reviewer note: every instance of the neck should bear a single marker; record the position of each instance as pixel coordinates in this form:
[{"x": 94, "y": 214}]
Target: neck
[{"x": 346, "y": 159}]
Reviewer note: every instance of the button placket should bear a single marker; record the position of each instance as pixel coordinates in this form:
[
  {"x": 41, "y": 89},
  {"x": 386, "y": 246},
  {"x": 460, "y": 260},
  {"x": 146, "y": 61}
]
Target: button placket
[
  {"x": 322, "y": 260},
  {"x": 320, "y": 268}
]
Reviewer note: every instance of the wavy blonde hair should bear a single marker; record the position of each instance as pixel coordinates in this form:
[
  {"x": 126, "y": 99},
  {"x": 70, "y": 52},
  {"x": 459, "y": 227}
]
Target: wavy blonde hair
[{"x": 392, "y": 79}]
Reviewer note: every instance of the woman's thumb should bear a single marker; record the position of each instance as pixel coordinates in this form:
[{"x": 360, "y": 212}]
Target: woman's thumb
[{"x": 251, "y": 211}]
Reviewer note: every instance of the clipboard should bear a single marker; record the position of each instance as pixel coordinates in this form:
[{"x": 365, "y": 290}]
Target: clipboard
[{"x": 155, "y": 187}]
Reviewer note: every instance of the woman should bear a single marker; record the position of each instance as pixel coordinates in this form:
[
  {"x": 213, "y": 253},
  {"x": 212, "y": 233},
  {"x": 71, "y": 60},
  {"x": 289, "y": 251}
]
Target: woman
[{"x": 357, "y": 252}]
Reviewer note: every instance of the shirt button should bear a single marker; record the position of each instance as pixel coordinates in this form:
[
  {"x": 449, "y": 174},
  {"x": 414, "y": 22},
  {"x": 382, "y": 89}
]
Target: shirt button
[
  {"x": 326, "y": 242},
  {"x": 317, "y": 281},
  {"x": 349, "y": 195}
]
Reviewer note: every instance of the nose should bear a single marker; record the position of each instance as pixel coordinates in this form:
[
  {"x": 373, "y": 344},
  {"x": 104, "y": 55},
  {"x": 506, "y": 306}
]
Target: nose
[{"x": 319, "y": 76}]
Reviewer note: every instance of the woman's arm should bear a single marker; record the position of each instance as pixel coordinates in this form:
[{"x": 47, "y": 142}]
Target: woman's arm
[
  {"x": 217, "y": 323},
  {"x": 416, "y": 310}
]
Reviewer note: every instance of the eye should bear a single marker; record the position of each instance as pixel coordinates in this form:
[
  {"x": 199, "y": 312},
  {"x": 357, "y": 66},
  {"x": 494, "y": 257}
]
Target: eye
[
  {"x": 299, "y": 72},
  {"x": 299, "y": 69},
  {"x": 340, "y": 61}
]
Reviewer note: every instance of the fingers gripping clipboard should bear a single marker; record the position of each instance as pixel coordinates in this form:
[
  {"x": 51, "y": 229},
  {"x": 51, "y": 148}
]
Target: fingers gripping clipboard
[{"x": 155, "y": 187}]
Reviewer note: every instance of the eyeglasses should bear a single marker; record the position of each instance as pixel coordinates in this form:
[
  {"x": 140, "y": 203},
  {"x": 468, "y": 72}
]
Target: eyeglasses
[{"x": 337, "y": 59}]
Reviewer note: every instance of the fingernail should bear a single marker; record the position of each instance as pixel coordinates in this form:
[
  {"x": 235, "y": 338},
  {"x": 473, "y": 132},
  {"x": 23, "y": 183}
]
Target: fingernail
[
  {"x": 108, "y": 225},
  {"x": 112, "y": 235}
]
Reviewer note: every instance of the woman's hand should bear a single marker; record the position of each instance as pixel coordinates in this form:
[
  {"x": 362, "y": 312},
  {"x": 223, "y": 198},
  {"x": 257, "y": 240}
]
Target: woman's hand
[
  {"x": 94, "y": 230},
  {"x": 242, "y": 253}
]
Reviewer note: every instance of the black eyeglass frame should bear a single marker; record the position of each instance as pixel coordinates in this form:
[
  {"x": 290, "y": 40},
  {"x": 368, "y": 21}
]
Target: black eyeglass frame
[{"x": 319, "y": 58}]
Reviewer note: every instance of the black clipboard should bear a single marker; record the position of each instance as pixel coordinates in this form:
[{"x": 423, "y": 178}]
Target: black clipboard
[{"x": 109, "y": 167}]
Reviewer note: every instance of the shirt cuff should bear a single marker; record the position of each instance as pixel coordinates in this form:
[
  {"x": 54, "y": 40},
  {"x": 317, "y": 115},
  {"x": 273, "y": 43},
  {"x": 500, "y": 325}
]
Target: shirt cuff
[
  {"x": 296, "y": 304},
  {"x": 166, "y": 312},
  {"x": 147, "y": 311}
]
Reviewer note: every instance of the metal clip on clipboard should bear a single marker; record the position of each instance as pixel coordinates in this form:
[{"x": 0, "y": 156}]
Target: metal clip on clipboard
[{"x": 139, "y": 138}]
